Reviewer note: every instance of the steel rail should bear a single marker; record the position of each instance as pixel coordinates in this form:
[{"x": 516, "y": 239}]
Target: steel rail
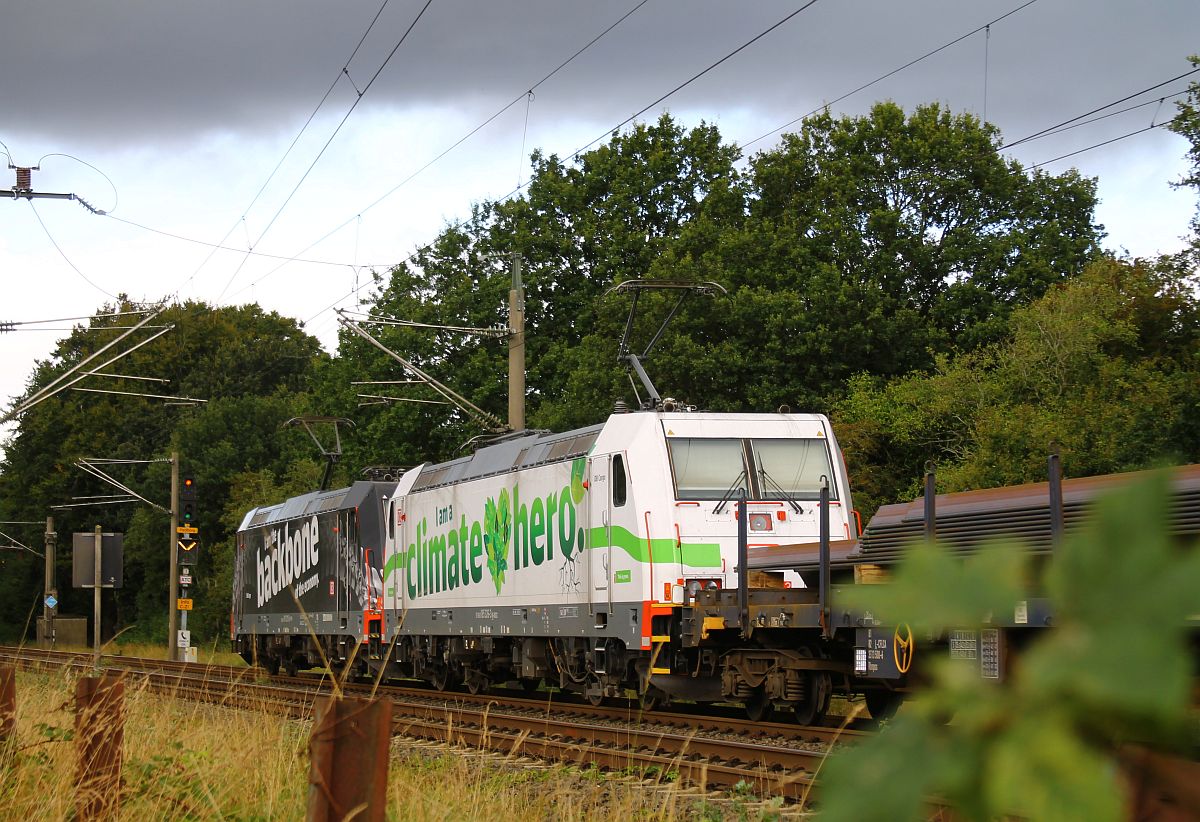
[{"x": 706, "y": 762}]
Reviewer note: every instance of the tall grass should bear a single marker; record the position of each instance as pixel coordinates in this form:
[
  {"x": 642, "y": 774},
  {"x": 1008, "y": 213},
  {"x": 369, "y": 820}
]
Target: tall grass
[{"x": 186, "y": 760}]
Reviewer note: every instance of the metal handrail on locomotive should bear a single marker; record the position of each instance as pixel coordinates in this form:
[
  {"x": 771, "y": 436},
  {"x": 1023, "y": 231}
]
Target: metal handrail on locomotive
[{"x": 600, "y": 561}]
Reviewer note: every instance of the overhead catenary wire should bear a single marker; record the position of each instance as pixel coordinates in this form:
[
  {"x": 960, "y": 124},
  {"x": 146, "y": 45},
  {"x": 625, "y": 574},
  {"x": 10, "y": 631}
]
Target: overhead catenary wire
[
  {"x": 116, "y": 194},
  {"x": 55, "y": 386},
  {"x": 89, "y": 467},
  {"x": 1158, "y": 101},
  {"x": 329, "y": 141},
  {"x": 89, "y": 317},
  {"x": 4, "y": 329},
  {"x": 475, "y": 130},
  {"x": 219, "y": 247},
  {"x": 188, "y": 400},
  {"x": 63, "y": 254},
  {"x": 16, "y": 543},
  {"x": 982, "y": 28},
  {"x": 374, "y": 319},
  {"x": 609, "y": 131},
  {"x": 698, "y": 75},
  {"x": 287, "y": 152},
  {"x": 1125, "y": 136},
  {"x": 1124, "y": 99},
  {"x": 985, "y": 27}
]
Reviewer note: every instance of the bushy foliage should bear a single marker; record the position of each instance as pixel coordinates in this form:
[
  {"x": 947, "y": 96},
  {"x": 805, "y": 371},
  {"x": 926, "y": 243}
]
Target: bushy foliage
[
  {"x": 1115, "y": 670},
  {"x": 857, "y": 245},
  {"x": 1105, "y": 366},
  {"x": 253, "y": 367}
]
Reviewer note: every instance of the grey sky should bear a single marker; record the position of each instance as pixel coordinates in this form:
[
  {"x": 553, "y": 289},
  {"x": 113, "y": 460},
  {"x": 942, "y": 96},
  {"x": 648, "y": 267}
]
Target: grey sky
[
  {"x": 188, "y": 105},
  {"x": 122, "y": 72}
]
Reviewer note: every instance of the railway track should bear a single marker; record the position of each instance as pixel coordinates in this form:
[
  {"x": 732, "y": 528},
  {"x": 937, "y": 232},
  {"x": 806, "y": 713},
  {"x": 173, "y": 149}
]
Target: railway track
[{"x": 709, "y": 752}]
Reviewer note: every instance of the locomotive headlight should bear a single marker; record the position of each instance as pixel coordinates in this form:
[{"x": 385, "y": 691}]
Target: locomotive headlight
[{"x": 760, "y": 522}]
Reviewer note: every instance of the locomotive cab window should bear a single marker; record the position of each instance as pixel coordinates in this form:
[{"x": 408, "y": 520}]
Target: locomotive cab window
[
  {"x": 791, "y": 468},
  {"x": 767, "y": 469},
  {"x": 618, "y": 481},
  {"x": 707, "y": 468}
]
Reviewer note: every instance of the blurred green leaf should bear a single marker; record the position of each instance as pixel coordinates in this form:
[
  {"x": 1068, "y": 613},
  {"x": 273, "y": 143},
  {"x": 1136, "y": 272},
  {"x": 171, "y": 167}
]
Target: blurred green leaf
[
  {"x": 906, "y": 766},
  {"x": 969, "y": 591},
  {"x": 1116, "y": 667},
  {"x": 1041, "y": 770}
]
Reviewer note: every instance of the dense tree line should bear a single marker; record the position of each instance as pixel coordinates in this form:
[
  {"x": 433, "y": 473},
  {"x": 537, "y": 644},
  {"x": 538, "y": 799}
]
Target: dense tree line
[
  {"x": 893, "y": 270},
  {"x": 254, "y": 368}
]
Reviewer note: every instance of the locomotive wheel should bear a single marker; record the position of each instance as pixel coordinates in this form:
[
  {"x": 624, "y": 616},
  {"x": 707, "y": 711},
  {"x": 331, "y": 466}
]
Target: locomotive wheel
[
  {"x": 653, "y": 699},
  {"x": 530, "y": 684},
  {"x": 476, "y": 684},
  {"x": 817, "y": 693},
  {"x": 805, "y": 711},
  {"x": 289, "y": 667},
  {"x": 812, "y": 709},
  {"x": 882, "y": 703},
  {"x": 440, "y": 677},
  {"x": 758, "y": 706},
  {"x": 271, "y": 663}
]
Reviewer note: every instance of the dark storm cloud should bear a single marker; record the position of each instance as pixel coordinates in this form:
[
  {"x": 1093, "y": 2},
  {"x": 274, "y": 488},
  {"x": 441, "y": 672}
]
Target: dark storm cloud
[{"x": 121, "y": 72}]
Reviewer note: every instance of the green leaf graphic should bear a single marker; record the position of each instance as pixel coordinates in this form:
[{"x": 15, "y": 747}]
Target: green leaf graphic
[
  {"x": 497, "y": 531},
  {"x": 578, "y": 473}
]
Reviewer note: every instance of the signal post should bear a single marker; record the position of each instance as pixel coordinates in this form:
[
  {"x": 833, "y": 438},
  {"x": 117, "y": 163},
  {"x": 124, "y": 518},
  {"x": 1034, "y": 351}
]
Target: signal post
[
  {"x": 185, "y": 547},
  {"x": 186, "y": 554},
  {"x": 174, "y": 573}
]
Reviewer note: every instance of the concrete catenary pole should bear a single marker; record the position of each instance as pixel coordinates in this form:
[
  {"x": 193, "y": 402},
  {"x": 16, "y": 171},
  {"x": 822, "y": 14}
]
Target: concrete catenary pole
[
  {"x": 516, "y": 349},
  {"x": 51, "y": 584},
  {"x": 172, "y": 649}
]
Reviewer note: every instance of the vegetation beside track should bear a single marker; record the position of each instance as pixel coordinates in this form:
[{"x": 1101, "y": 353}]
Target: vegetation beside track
[
  {"x": 189, "y": 760},
  {"x": 1112, "y": 679}
]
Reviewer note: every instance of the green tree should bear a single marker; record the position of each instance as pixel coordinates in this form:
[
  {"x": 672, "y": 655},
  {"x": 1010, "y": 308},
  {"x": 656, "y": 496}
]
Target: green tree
[
  {"x": 252, "y": 366},
  {"x": 856, "y": 246},
  {"x": 922, "y": 220},
  {"x": 1187, "y": 124},
  {"x": 1106, "y": 366},
  {"x": 606, "y": 216}
]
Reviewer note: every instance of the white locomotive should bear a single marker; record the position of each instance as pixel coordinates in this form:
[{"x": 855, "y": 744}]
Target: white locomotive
[{"x": 599, "y": 560}]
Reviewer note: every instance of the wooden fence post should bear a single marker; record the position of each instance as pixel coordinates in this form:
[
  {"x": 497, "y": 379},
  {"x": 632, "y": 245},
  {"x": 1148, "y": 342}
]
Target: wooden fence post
[
  {"x": 8, "y": 703},
  {"x": 349, "y": 760},
  {"x": 99, "y": 739}
]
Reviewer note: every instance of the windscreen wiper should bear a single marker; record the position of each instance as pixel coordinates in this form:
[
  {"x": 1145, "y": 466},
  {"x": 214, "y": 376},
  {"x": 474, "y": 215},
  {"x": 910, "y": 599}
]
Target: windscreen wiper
[
  {"x": 768, "y": 478},
  {"x": 729, "y": 494}
]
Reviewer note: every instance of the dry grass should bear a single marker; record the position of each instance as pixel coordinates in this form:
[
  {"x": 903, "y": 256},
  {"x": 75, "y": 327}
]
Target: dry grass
[
  {"x": 185, "y": 760},
  {"x": 204, "y": 655},
  {"x": 116, "y": 647}
]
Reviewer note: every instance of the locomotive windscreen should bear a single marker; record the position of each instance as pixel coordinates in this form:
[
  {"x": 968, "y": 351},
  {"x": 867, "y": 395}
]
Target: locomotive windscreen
[
  {"x": 792, "y": 467},
  {"x": 711, "y": 468},
  {"x": 706, "y": 468}
]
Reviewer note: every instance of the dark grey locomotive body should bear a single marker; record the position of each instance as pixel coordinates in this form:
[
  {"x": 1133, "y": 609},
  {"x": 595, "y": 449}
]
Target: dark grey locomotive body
[{"x": 308, "y": 576}]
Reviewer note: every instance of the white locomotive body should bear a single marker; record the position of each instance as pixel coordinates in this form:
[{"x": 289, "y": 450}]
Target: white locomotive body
[{"x": 606, "y": 559}]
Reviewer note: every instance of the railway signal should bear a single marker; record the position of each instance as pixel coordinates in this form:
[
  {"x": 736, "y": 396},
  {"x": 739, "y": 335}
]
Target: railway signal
[
  {"x": 187, "y": 549},
  {"x": 187, "y": 501}
]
